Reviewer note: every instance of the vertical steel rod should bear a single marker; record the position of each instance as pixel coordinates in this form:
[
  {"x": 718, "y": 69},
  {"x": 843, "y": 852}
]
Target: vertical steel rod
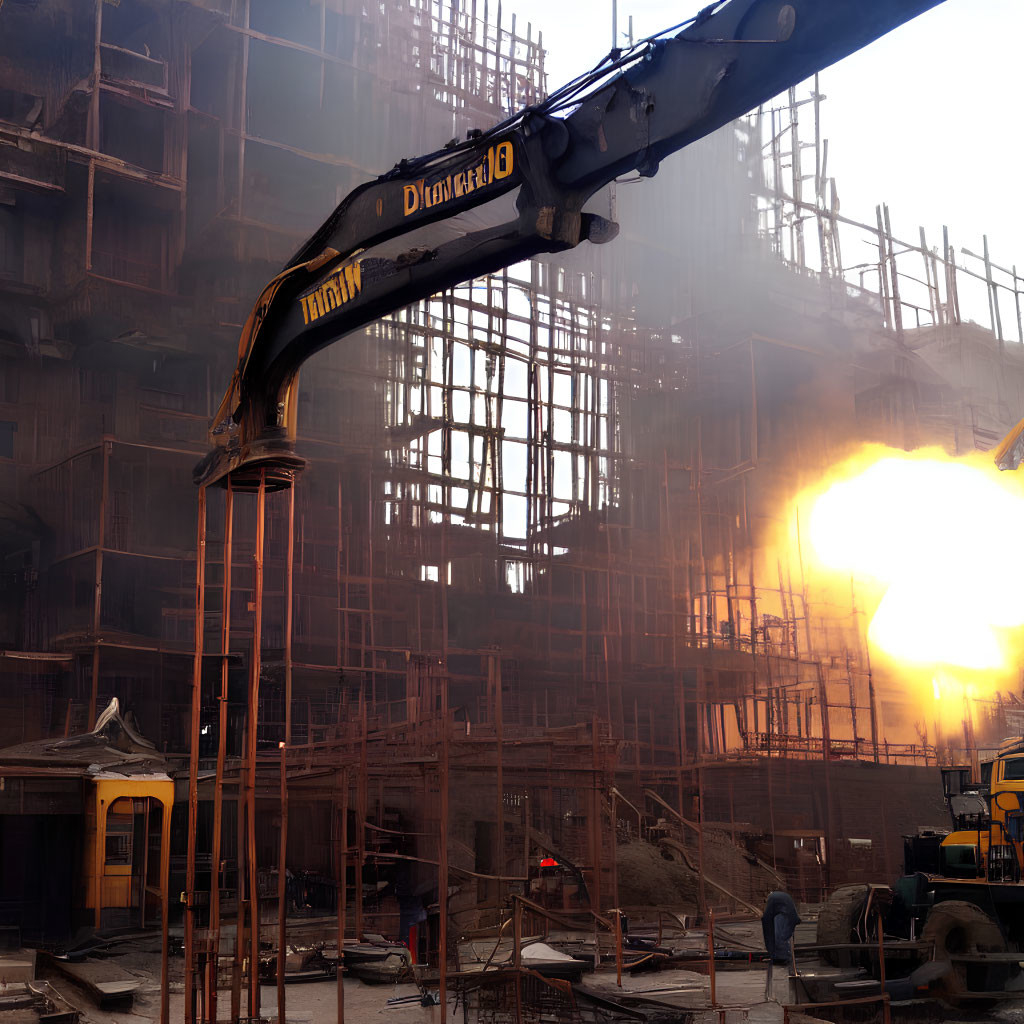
[
  {"x": 288, "y": 599},
  {"x": 1016, "y": 303},
  {"x": 499, "y": 849},
  {"x": 615, "y": 845},
  {"x": 618, "y": 946},
  {"x": 881, "y": 968},
  {"x": 97, "y": 608},
  {"x": 711, "y": 953},
  {"x": 517, "y": 957},
  {"x": 193, "y": 761},
  {"x": 222, "y": 734},
  {"x": 92, "y": 135},
  {"x": 342, "y": 891},
  {"x": 595, "y": 818},
  {"x": 442, "y": 869},
  {"x": 254, "y": 707},
  {"x": 517, "y": 934},
  {"x": 361, "y": 817},
  {"x": 282, "y": 905},
  {"x": 165, "y": 911},
  {"x": 897, "y": 307},
  {"x": 236, "y": 967}
]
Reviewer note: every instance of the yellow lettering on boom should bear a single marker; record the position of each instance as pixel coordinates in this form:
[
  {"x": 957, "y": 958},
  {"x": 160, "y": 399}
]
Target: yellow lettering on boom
[
  {"x": 503, "y": 161},
  {"x": 354, "y": 279},
  {"x": 496, "y": 164},
  {"x": 339, "y": 289},
  {"x": 333, "y": 295}
]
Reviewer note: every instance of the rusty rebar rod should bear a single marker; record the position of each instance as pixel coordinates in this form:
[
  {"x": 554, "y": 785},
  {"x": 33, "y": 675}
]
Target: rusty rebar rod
[
  {"x": 282, "y": 889},
  {"x": 239, "y": 957},
  {"x": 711, "y": 955},
  {"x": 361, "y": 812},
  {"x": 193, "y": 761},
  {"x": 340, "y": 900},
  {"x": 289, "y": 573},
  {"x": 165, "y": 912},
  {"x": 254, "y": 706},
  {"x": 222, "y": 733},
  {"x": 97, "y": 608},
  {"x": 442, "y": 870}
]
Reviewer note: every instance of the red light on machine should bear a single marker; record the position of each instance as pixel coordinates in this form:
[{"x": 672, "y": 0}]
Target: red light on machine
[{"x": 549, "y": 862}]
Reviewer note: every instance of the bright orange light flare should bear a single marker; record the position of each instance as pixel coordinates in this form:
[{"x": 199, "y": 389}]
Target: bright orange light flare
[{"x": 940, "y": 539}]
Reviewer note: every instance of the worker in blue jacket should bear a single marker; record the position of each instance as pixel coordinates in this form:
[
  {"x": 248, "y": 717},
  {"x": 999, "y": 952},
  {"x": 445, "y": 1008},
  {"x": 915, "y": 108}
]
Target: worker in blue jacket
[{"x": 778, "y": 924}]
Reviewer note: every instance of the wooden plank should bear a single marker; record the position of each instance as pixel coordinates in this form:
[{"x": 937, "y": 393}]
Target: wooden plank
[{"x": 107, "y": 984}]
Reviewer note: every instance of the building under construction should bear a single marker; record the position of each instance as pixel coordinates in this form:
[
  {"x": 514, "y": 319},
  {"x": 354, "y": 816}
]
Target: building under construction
[{"x": 523, "y": 603}]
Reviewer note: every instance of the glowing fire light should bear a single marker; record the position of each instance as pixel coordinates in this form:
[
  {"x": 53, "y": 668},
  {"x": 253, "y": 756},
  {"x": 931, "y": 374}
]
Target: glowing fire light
[{"x": 938, "y": 538}]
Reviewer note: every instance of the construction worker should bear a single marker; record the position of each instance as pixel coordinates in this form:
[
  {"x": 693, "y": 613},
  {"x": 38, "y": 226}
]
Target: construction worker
[{"x": 778, "y": 924}]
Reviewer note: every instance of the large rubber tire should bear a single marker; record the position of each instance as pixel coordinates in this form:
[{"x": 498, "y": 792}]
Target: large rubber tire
[
  {"x": 955, "y": 926},
  {"x": 836, "y": 921}
]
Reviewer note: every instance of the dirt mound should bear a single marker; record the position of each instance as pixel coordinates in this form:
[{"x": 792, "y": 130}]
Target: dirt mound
[
  {"x": 647, "y": 879},
  {"x": 731, "y": 866},
  {"x": 652, "y": 875}
]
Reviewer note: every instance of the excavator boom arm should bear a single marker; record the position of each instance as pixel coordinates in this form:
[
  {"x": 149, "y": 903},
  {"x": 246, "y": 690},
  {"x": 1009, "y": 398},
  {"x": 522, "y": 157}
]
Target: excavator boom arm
[{"x": 516, "y": 191}]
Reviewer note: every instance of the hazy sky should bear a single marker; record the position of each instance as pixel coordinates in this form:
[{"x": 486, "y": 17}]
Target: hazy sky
[{"x": 928, "y": 119}]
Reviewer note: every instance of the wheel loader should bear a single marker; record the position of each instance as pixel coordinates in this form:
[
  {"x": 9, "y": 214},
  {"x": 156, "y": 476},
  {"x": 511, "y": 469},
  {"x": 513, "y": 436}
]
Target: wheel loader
[{"x": 960, "y": 899}]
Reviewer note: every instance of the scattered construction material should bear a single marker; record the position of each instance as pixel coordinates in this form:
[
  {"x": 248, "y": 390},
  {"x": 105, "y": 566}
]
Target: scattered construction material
[
  {"x": 110, "y": 987},
  {"x": 35, "y": 1002}
]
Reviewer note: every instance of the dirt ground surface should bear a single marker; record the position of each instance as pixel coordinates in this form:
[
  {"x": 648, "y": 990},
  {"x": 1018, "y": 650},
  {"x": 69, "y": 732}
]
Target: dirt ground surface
[
  {"x": 316, "y": 1002},
  {"x": 305, "y": 1003},
  {"x": 741, "y": 994}
]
